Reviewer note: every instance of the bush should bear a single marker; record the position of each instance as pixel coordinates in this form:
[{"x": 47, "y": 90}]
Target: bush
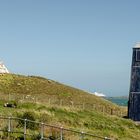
[
  {"x": 29, "y": 116},
  {"x": 36, "y": 137}
]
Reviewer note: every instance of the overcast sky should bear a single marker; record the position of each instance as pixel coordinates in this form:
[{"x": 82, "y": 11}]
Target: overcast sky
[{"x": 82, "y": 43}]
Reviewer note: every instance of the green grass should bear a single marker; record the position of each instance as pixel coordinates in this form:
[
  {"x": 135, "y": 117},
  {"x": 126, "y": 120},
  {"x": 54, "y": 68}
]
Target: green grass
[
  {"x": 43, "y": 90},
  {"x": 84, "y": 119}
]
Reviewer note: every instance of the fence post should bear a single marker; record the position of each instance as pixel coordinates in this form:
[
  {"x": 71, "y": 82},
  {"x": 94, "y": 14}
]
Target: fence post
[
  {"x": 42, "y": 131},
  {"x": 121, "y": 113},
  {"x": 9, "y": 127},
  {"x": 61, "y": 102},
  {"x": 49, "y": 101},
  {"x": 23, "y": 98},
  {"x": 25, "y": 125},
  {"x": 72, "y": 104},
  {"x": 103, "y": 109},
  {"x": 36, "y": 99},
  {"x": 83, "y": 106},
  {"x": 9, "y": 124},
  {"x": 9, "y": 97},
  {"x": 61, "y": 133},
  {"x": 111, "y": 111},
  {"x": 93, "y": 106}
]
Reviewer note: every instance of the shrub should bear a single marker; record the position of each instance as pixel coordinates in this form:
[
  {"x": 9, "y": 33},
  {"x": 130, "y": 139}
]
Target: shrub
[
  {"x": 29, "y": 116},
  {"x": 36, "y": 137}
]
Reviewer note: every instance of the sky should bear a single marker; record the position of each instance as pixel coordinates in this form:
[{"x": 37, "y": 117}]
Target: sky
[{"x": 82, "y": 43}]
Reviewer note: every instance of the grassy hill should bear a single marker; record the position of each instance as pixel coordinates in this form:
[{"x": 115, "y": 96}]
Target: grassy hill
[
  {"x": 58, "y": 104},
  {"x": 45, "y": 90}
]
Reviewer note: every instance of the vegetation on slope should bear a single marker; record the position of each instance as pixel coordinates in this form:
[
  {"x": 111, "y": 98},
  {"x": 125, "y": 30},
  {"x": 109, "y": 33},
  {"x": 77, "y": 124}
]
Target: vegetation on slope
[
  {"x": 44, "y": 89},
  {"x": 93, "y": 121}
]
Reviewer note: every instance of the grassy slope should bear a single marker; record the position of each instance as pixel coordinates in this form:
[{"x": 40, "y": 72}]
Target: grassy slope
[
  {"x": 88, "y": 121},
  {"x": 91, "y": 121},
  {"x": 43, "y": 89}
]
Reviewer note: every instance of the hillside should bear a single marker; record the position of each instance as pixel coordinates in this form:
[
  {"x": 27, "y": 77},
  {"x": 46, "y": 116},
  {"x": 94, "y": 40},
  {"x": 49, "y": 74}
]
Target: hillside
[
  {"x": 55, "y": 103},
  {"x": 38, "y": 89},
  {"x": 100, "y": 124}
]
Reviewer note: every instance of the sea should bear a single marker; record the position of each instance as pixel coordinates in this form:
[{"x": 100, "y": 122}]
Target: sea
[{"x": 122, "y": 101}]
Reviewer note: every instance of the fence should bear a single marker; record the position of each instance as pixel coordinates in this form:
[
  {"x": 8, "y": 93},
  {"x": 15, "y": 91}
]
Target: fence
[
  {"x": 53, "y": 101},
  {"x": 27, "y": 129}
]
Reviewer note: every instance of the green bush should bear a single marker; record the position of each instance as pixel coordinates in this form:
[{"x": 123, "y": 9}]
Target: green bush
[
  {"x": 36, "y": 137},
  {"x": 29, "y": 116}
]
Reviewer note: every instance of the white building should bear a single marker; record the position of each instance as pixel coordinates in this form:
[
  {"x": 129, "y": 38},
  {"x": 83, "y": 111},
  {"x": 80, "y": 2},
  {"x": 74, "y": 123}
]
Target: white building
[{"x": 3, "y": 69}]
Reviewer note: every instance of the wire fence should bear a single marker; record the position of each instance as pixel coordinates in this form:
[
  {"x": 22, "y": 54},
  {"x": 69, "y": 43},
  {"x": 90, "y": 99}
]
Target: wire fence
[
  {"x": 12, "y": 128},
  {"x": 53, "y": 101}
]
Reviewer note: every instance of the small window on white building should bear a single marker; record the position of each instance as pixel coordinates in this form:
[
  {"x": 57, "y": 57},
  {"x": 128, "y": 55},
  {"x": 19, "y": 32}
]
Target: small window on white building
[{"x": 137, "y": 55}]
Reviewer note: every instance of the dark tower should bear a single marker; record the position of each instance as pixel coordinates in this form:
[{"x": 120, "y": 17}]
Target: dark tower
[{"x": 134, "y": 95}]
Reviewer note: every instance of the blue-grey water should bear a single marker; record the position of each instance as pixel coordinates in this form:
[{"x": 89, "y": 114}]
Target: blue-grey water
[{"x": 122, "y": 101}]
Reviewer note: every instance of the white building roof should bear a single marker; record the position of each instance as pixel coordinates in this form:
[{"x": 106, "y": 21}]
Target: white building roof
[
  {"x": 3, "y": 69},
  {"x": 137, "y": 45}
]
